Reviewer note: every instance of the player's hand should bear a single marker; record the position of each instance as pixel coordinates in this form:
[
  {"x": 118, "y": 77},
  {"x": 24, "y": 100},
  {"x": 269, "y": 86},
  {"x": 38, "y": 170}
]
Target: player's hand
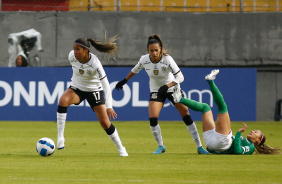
[
  {"x": 120, "y": 84},
  {"x": 162, "y": 90},
  {"x": 111, "y": 113},
  {"x": 243, "y": 129}
]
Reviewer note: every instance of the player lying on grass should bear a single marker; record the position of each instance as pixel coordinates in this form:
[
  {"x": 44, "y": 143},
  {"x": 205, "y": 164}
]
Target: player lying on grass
[{"x": 218, "y": 136}]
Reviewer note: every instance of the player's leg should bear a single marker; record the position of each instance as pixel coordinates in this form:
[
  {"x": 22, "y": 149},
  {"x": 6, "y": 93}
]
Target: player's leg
[
  {"x": 191, "y": 126},
  {"x": 110, "y": 129},
  {"x": 69, "y": 97},
  {"x": 223, "y": 124},
  {"x": 207, "y": 116},
  {"x": 154, "y": 111}
]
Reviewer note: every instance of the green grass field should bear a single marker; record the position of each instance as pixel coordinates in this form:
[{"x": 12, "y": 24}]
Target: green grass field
[{"x": 91, "y": 157}]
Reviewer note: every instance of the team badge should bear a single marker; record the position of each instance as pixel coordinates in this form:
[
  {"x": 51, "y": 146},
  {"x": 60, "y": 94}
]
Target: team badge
[
  {"x": 163, "y": 68},
  {"x": 154, "y": 95},
  {"x": 81, "y": 71},
  {"x": 89, "y": 72},
  {"x": 156, "y": 72}
]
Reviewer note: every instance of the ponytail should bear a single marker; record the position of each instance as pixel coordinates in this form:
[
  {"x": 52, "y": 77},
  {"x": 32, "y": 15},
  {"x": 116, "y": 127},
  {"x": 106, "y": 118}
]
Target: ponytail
[
  {"x": 156, "y": 39},
  {"x": 106, "y": 46},
  {"x": 264, "y": 149}
]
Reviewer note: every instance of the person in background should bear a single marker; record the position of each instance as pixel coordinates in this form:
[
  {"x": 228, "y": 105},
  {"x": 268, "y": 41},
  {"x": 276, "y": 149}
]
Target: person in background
[
  {"x": 218, "y": 136},
  {"x": 20, "y": 46},
  {"x": 163, "y": 73},
  {"x": 89, "y": 81},
  {"x": 22, "y": 60}
]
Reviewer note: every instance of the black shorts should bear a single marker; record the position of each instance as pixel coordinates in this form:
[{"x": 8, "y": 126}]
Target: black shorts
[
  {"x": 155, "y": 97},
  {"x": 94, "y": 98}
]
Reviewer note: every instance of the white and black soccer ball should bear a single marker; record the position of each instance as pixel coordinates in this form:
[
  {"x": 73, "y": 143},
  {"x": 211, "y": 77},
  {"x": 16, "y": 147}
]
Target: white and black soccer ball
[{"x": 45, "y": 146}]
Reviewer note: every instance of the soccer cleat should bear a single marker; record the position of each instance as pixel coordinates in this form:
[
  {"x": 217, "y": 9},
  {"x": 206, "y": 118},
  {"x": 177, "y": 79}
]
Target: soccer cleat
[
  {"x": 176, "y": 93},
  {"x": 61, "y": 143},
  {"x": 212, "y": 75},
  {"x": 202, "y": 150},
  {"x": 160, "y": 150},
  {"x": 123, "y": 152}
]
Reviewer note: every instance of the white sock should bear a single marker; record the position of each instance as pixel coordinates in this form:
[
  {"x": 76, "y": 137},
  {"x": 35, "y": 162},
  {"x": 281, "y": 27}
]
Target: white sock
[
  {"x": 61, "y": 121},
  {"x": 194, "y": 133},
  {"x": 116, "y": 140},
  {"x": 157, "y": 133}
]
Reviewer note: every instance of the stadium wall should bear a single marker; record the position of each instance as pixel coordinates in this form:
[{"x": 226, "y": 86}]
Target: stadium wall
[{"x": 194, "y": 39}]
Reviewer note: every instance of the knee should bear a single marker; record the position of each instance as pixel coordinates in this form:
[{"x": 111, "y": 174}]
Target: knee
[
  {"x": 206, "y": 108},
  {"x": 64, "y": 101}
]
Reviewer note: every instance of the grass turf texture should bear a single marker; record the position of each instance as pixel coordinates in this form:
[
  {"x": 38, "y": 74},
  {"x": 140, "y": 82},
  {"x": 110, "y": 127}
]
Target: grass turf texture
[{"x": 91, "y": 157}]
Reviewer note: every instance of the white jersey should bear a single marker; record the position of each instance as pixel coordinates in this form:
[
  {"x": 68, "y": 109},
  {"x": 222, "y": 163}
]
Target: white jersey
[
  {"x": 160, "y": 73},
  {"x": 87, "y": 76}
]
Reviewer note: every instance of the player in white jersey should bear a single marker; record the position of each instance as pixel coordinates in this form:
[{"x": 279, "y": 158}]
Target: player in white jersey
[
  {"x": 88, "y": 82},
  {"x": 164, "y": 73}
]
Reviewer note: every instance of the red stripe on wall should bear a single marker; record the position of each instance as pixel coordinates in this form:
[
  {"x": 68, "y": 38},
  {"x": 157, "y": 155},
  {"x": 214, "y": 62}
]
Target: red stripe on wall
[{"x": 35, "y": 5}]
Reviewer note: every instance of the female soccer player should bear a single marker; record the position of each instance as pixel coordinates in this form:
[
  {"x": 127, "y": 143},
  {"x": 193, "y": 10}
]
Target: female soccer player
[
  {"x": 88, "y": 82},
  {"x": 163, "y": 73},
  {"x": 218, "y": 136}
]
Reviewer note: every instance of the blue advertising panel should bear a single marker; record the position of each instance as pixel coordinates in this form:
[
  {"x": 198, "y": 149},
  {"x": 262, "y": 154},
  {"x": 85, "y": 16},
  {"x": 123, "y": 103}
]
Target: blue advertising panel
[{"x": 33, "y": 94}]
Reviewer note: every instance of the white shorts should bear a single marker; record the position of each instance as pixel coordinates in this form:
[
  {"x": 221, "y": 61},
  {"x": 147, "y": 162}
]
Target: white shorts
[{"x": 216, "y": 141}]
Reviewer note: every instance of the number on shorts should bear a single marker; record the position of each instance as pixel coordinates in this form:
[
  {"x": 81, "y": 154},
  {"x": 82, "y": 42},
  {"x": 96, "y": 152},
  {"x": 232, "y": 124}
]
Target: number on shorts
[{"x": 96, "y": 95}]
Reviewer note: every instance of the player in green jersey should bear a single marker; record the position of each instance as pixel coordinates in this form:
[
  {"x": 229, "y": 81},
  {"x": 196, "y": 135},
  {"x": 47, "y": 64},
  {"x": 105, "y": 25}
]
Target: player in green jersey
[{"x": 218, "y": 135}]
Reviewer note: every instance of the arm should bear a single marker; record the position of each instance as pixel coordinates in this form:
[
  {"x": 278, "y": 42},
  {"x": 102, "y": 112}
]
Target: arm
[
  {"x": 130, "y": 75},
  {"x": 179, "y": 78},
  {"x": 241, "y": 146},
  {"x": 108, "y": 94},
  {"x": 175, "y": 70},
  {"x": 133, "y": 72}
]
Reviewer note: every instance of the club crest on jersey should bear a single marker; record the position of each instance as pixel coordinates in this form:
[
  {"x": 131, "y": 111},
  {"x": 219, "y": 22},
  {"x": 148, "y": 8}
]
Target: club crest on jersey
[
  {"x": 81, "y": 71},
  {"x": 89, "y": 72},
  {"x": 156, "y": 72}
]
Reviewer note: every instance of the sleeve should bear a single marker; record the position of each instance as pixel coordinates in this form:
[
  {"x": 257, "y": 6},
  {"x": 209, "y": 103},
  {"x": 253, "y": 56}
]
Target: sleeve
[
  {"x": 105, "y": 83},
  {"x": 173, "y": 66},
  {"x": 100, "y": 70},
  {"x": 175, "y": 70},
  {"x": 139, "y": 66},
  {"x": 179, "y": 78},
  {"x": 241, "y": 146},
  {"x": 108, "y": 92}
]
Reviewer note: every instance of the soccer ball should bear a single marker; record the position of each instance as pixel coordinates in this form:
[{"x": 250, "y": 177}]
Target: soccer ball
[{"x": 45, "y": 146}]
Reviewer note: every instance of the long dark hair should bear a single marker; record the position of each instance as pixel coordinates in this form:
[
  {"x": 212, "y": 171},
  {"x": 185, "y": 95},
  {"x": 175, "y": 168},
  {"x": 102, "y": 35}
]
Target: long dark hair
[
  {"x": 106, "y": 46},
  {"x": 262, "y": 148},
  {"x": 156, "y": 39}
]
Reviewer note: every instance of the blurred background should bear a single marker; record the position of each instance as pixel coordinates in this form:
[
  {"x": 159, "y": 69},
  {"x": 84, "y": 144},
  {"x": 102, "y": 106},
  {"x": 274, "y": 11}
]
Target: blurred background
[{"x": 198, "y": 33}]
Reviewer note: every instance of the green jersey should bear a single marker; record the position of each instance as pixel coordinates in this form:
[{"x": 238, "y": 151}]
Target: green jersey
[{"x": 239, "y": 146}]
